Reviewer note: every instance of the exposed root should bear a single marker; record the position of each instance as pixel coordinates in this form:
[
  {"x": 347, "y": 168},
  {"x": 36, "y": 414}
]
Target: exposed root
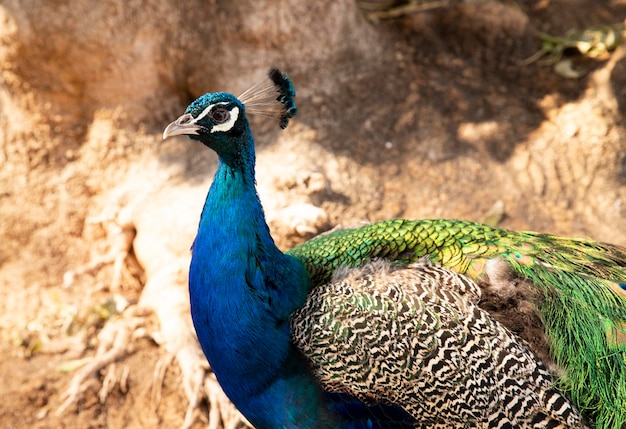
[
  {"x": 113, "y": 342},
  {"x": 222, "y": 413},
  {"x": 195, "y": 395},
  {"x": 120, "y": 230},
  {"x": 157, "y": 383},
  {"x": 111, "y": 379}
]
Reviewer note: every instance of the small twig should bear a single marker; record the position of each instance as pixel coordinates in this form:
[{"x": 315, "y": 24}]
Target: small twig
[{"x": 406, "y": 9}]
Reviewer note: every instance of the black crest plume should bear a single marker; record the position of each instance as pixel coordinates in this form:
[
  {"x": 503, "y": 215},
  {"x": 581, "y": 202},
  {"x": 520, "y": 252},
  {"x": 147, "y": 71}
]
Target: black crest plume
[{"x": 273, "y": 98}]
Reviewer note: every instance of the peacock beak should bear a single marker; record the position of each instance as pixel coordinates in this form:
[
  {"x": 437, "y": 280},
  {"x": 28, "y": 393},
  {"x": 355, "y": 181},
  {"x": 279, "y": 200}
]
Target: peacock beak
[{"x": 181, "y": 126}]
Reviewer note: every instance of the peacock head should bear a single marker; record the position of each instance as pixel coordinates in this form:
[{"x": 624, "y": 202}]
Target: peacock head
[
  {"x": 219, "y": 119},
  {"x": 215, "y": 119}
]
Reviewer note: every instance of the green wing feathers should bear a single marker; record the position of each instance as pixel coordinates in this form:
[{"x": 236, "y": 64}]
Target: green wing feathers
[{"x": 580, "y": 286}]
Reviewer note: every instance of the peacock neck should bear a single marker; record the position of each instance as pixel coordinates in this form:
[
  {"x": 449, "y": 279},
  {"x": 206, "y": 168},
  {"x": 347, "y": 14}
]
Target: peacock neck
[
  {"x": 243, "y": 290},
  {"x": 233, "y": 225}
]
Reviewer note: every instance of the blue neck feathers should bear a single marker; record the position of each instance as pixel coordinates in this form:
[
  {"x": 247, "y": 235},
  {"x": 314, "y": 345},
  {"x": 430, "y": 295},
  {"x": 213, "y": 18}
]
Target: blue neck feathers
[{"x": 243, "y": 290}]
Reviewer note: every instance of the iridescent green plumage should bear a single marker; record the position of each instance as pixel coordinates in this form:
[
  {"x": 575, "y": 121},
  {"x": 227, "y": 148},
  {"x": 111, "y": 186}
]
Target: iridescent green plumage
[{"x": 579, "y": 285}]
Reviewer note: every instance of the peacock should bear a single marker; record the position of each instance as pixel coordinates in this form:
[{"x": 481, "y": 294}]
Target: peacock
[{"x": 397, "y": 324}]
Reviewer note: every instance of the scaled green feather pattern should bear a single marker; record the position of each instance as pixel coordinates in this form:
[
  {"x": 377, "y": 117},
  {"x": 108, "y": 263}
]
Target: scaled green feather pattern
[{"x": 580, "y": 285}]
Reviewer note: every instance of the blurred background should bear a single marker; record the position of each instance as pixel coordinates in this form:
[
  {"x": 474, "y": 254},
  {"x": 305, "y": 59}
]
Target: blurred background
[{"x": 506, "y": 112}]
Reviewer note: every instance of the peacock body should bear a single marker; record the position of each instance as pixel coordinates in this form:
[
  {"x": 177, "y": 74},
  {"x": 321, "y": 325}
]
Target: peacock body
[{"x": 396, "y": 324}]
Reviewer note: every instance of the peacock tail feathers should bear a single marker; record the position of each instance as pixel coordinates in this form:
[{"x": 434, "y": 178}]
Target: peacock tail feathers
[
  {"x": 584, "y": 314},
  {"x": 580, "y": 286},
  {"x": 584, "y": 319}
]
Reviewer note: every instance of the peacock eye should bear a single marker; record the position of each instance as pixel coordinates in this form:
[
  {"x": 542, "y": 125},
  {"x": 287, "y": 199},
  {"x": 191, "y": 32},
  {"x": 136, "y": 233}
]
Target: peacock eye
[{"x": 220, "y": 115}]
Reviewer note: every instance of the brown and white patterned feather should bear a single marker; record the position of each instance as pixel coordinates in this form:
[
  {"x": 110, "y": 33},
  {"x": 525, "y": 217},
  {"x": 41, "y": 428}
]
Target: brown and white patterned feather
[{"x": 415, "y": 336}]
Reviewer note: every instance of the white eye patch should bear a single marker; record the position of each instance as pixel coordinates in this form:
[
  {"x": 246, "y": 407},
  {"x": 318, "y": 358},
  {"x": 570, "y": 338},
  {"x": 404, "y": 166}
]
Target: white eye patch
[{"x": 226, "y": 126}]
